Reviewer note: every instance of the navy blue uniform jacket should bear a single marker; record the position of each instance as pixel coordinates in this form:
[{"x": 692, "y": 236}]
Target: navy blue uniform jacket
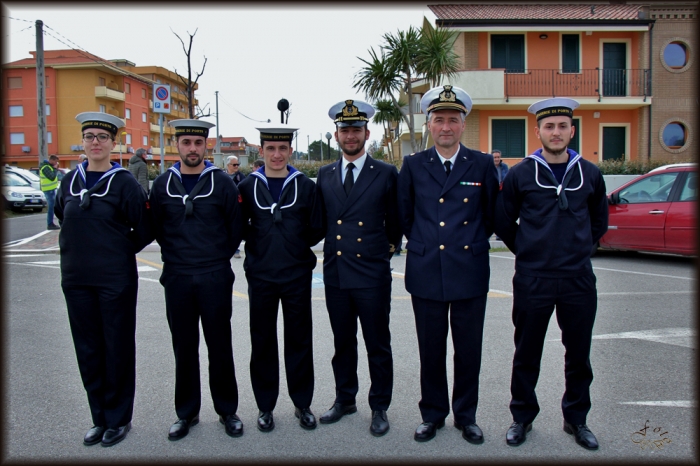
[
  {"x": 549, "y": 241},
  {"x": 280, "y": 252},
  {"x": 206, "y": 240},
  {"x": 448, "y": 223},
  {"x": 359, "y": 228}
]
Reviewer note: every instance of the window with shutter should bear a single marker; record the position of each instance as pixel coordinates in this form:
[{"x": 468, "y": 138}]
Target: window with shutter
[
  {"x": 570, "y": 53},
  {"x": 509, "y": 137},
  {"x": 508, "y": 51}
]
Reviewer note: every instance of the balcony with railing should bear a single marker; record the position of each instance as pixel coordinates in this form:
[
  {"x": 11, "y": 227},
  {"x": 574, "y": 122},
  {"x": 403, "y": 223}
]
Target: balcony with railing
[
  {"x": 106, "y": 93},
  {"x": 596, "y": 82}
]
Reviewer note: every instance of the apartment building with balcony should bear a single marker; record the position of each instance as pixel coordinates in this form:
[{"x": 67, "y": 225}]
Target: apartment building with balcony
[
  {"x": 608, "y": 56},
  {"x": 76, "y": 81},
  {"x": 238, "y": 146}
]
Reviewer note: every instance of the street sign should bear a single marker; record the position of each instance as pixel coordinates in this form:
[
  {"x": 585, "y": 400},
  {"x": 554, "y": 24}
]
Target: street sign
[{"x": 161, "y": 98}]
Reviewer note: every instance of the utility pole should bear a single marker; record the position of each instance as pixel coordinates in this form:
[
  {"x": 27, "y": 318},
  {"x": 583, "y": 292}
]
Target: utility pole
[
  {"x": 217, "y": 149},
  {"x": 40, "y": 92},
  {"x": 308, "y": 151}
]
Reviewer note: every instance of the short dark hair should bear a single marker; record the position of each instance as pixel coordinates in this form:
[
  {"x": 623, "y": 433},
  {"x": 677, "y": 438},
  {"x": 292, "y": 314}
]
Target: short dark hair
[
  {"x": 259, "y": 163},
  {"x": 496, "y": 150},
  {"x": 141, "y": 152},
  {"x": 53, "y": 157}
]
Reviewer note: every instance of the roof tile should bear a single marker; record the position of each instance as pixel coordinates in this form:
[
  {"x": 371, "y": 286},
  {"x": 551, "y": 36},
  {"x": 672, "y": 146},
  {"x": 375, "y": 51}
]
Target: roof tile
[{"x": 531, "y": 11}]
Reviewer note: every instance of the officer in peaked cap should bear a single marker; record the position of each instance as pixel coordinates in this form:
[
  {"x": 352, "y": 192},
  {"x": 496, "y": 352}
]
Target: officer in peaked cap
[
  {"x": 103, "y": 214},
  {"x": 447, "y": 196},
  {"x": 358, "y": 198},
  {"x": 282, "y": 223},
  {"x": 446, "y": 98},
  {"x": 198, "y": 224},
  {"x": 559, "y": 199},
  {"x": 351, "y": 113}
]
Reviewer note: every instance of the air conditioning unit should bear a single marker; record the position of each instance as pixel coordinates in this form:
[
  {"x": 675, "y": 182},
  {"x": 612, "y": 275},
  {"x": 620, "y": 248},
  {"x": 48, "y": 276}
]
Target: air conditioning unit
[
  {"x": 76, "y": 148},
  {"x": 149, "y": 151},
  {"x": 26, "y": 149},
  {"x": 130, "y": 150}
]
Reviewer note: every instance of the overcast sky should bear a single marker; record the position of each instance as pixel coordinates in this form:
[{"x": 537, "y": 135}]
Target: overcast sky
[{"x": 256, "y": 55}]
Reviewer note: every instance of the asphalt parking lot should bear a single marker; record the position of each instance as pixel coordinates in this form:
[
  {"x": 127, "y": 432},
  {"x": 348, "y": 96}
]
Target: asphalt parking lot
[{"x": 643, "y": 358}]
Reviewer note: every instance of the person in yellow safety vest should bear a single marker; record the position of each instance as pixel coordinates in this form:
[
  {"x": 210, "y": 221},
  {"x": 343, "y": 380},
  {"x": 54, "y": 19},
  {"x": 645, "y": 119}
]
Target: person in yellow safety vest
[{"x": 48, "y": 174}]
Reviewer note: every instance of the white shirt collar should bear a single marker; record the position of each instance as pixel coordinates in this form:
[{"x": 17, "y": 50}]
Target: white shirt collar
[
  {"x": 453, "y": 159},
  {"x": 359, "y": 163}
]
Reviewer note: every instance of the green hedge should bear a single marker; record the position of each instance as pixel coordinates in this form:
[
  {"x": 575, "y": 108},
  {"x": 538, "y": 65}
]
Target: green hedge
[{"x": 632, "y": 167}]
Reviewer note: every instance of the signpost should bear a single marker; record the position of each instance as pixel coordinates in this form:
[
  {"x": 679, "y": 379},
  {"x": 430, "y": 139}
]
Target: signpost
[{"x": 161, "y": 105}]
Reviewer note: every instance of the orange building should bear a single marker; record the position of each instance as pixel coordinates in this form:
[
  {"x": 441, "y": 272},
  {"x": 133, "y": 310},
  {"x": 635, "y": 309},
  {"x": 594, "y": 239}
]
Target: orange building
[
  {"x": 600, "y": 54},
  {"x": 77, "y": 81}
]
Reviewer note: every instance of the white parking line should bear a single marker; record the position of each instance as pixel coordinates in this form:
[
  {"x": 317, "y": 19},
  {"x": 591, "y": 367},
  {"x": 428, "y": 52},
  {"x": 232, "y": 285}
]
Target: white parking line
[
  {"x": 20, "y": 242},
  {"x": 670, "y": 404},
  {"x": 644, "y": 273}
]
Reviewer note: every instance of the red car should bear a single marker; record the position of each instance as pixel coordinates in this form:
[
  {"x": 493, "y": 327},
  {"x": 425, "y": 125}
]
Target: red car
[{"x": 655, "y": 212}]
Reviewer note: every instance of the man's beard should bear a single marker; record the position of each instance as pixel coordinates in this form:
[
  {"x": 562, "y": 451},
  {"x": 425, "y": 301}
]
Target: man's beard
[
  {"x": 187, "y": 161},
  {"x": 352, "y": 153},
  {"x": 554, "y": 152}
]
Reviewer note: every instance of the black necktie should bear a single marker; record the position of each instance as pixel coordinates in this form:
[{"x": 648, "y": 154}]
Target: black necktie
[
  {"x": 448, "y": 167},
  {"x": 349, "y": 178}
]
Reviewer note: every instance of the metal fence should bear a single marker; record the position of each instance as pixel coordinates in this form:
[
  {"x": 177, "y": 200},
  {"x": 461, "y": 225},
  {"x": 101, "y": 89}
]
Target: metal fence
[{"x": 584, "y": 83}]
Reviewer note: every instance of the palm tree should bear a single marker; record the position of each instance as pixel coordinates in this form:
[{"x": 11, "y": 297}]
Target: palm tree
[
  {"x": 436, "y": 58},
  {"x": 391, "y": 71},
  {"x": 406, "y": 56},
  {"x": 387, "y": 113}
]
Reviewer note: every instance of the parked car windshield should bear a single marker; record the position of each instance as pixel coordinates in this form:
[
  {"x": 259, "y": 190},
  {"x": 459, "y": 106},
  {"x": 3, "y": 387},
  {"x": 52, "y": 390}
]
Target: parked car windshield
[
  {"x": 10, "y": 179},
  {"x": 655, "y": 188}
]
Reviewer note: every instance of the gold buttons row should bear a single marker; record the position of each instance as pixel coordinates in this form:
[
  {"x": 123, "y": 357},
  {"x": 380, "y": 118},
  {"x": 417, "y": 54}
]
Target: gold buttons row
[
  {"x": 340, "y": 222},
  {"x": 359, "y": 240},
  {"x": 340, "y": 254}
]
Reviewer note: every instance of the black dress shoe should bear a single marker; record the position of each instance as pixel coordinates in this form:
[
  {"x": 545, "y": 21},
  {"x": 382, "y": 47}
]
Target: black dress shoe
[
  {"x": 181, "y": 428},
  {"x": 380, "y": 423},
  {"x": 517, "y": 433},
  {"x": 113, "y": 436},
  {"x": 232, "y": 424},
  {"x": 583, "y": 435},
  {"x": 471, "y": 433},
  {"x": 94, "y": 435},
  {"x": 336, "y": 412},
  {"x": 426, "y": 431},
  {"x": 265, "y": 421},
  {"x": 307, "y": 420}
]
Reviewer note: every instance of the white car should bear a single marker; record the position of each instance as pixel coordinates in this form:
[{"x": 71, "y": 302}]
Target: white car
[
  {"x": 26, "y": 174},
  {"x": 19, "y": 194}
]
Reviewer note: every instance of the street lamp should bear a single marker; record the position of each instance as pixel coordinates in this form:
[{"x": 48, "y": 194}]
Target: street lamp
[
  {"x": 123, "y": 133},
  {"x": 328, "y": 136}
]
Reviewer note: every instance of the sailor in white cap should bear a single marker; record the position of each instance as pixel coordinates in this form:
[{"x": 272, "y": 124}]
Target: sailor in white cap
[
  {"x": 551, "y": 212},
  {"x": 447, "y": 197},
  {"x": 197, "y": 221},
  {"x": 103, "y": 214},
  {"x": 282, "y": 223},
  {"x": 358, "y": 197}
]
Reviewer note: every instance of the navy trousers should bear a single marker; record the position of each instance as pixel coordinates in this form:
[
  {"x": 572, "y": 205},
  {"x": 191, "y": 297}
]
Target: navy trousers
[
  {"x": 187, "y": 299},
  {"x": 372, "y": 306},
  {"x": 265, "y": 298},
  {"x": 433, "y": 319},
  {"x": 103, "y": 326},
  {"x": 534, "y": 301}
]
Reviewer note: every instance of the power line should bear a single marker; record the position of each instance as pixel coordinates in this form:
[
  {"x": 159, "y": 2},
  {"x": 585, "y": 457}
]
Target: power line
[
  {"x": 252, "y": 119},
  {"x": 16, "y": 32},
  {"x": 17, "y": 19}
]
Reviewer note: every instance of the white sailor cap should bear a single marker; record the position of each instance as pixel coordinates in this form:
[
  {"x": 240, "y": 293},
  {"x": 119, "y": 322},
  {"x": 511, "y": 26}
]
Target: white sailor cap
[
  {"x": 351, "y": 113},
  {"x": 446, "y": 98},
  {"x": 553, "y": 107},
  {"x": 100, "y": 120},
  {"x": 278, "y": 132},
  {"x": 188, "y": 127}
]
